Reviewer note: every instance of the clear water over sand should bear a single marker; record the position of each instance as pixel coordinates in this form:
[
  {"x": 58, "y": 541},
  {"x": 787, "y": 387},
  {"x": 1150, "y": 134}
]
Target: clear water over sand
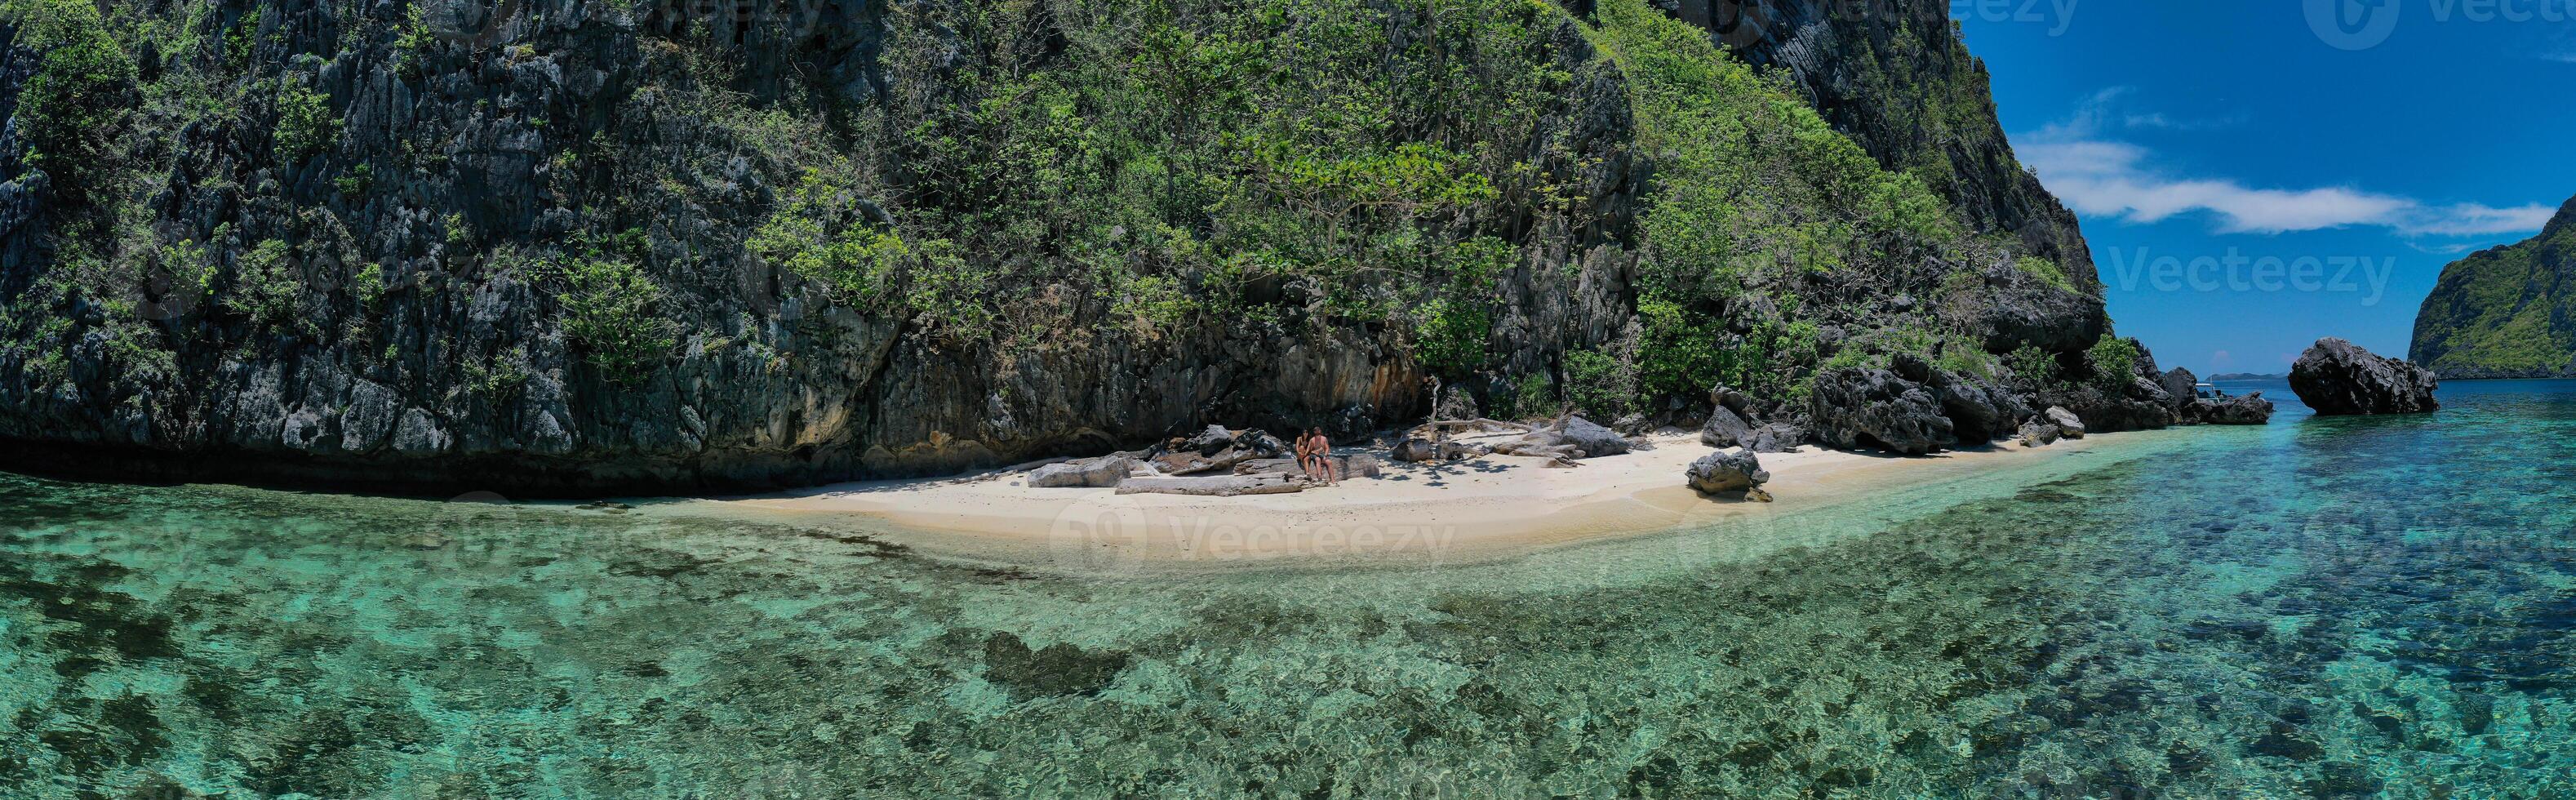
[{"x": 2320, "y": 608}]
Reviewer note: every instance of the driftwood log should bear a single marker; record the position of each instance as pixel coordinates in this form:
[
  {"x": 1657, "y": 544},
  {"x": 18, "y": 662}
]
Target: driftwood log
[
  {"x": 1344, "y": 467},
  {"x": 1228, "y": 486}
]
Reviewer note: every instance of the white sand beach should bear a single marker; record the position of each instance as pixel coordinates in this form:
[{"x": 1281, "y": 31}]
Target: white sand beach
[{"x": 1482, "y": 509}]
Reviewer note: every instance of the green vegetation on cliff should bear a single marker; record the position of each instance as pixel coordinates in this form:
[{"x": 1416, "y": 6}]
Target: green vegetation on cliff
[
  {"x": 944, "y": 232},
  {"x": 2507, "y": 312}
]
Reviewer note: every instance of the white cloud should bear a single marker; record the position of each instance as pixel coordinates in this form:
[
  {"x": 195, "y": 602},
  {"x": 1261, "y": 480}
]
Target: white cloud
[{"x": 2102, "y": 177}]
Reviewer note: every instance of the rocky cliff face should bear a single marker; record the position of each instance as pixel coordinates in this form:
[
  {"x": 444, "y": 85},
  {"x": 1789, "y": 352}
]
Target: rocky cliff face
[
  {"x": 2508, "y": 312},
  {"x": 572, "y": 247},
  {"x": 1897, "y": 78}
]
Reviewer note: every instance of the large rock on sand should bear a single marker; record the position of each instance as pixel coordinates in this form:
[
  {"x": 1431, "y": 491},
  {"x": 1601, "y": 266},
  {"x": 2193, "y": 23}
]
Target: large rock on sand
[
  {"x": 1595, "y": 441},
  {"x": 1725, "y": 428},
  {"x": 1735, "y": 474},
  {"x": 2338, "y": 378},
  {"x": 2068, "y": 425},
  {"x": 1096, "y": 473}
]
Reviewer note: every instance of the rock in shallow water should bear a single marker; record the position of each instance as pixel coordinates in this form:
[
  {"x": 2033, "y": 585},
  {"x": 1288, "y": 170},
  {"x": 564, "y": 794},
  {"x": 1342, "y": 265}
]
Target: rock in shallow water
[{"x": 2339, "y": 378}]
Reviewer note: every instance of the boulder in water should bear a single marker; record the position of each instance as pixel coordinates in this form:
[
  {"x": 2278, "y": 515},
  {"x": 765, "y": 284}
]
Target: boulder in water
[{"x": 2339, "y": 378}]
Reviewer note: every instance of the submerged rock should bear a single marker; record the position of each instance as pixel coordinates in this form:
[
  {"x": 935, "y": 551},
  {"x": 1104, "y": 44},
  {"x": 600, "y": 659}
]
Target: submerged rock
[
  {"x": 1057, "y": 669},
  {"x": 2339, "y": 378},
  {"x": 1738, "y": 473}
]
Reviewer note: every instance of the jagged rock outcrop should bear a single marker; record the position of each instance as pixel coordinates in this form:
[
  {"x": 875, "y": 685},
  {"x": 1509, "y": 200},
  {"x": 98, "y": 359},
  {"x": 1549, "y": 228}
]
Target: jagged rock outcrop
[
  {"x": 2505, "y": 312},
  {"x": 1875, "y": 409},
  {"x": 1776, "y": 437},
  {"x": 1912, "y": 407},
  {"x": 2339, "y": 378},
  {"x": 2183, "y": 386},
  {"x": 1725, "y": 427},
  {"x": 1729, "y": 474},
  {"x": 2250, "y": 409}
]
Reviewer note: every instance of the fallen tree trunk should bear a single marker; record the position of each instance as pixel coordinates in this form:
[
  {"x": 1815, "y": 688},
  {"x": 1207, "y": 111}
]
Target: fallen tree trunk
[
  {"x": 1231, "y": 486},
  {"x": 1019, "y": 468},
  {"x": 1345, "y": 467}
]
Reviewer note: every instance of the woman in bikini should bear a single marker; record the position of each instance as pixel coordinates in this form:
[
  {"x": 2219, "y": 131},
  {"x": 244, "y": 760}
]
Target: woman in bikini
[{"x": 1306, "y": 453}]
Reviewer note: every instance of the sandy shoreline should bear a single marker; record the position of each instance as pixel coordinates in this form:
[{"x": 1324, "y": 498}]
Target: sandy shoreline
[{"x": 1492, "y": 508}]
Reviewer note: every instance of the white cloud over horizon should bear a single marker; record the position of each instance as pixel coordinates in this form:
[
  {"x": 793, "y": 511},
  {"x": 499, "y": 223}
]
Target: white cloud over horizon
[{"x": 2100, "y": 176}]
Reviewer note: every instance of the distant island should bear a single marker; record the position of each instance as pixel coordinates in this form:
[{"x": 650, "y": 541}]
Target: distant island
[
  {"x": 2506, "y": 312},
  {"x": 2244, "y": 376}
]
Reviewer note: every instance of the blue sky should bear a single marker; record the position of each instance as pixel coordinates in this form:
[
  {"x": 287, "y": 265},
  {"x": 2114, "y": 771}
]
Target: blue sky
[{"x": 2373, "y": 143}]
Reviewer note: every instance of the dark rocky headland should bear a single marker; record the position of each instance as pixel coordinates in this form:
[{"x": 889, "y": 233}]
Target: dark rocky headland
[
  {"x": 2505, "y": 312},
  {"x": 562, "y": 247}
]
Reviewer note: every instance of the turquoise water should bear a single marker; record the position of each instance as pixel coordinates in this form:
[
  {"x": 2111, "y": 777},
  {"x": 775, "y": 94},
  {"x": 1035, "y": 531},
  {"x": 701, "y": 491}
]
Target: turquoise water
[{"x": 2320, "y": 608}]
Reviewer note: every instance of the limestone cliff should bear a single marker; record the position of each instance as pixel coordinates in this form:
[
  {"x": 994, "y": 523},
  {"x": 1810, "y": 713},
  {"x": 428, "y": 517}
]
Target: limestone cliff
[
  {"x": 555, "y": 246},
  {"x": 2506, "y": 312}
]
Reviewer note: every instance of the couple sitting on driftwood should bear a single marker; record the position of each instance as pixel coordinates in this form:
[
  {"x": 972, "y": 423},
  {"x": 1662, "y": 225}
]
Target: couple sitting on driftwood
[{"x": 1315, "y": 457}]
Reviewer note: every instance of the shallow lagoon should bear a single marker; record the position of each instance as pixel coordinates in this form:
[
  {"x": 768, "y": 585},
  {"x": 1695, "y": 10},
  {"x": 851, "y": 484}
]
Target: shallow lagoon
[{"x": 2320, "y": 608}]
